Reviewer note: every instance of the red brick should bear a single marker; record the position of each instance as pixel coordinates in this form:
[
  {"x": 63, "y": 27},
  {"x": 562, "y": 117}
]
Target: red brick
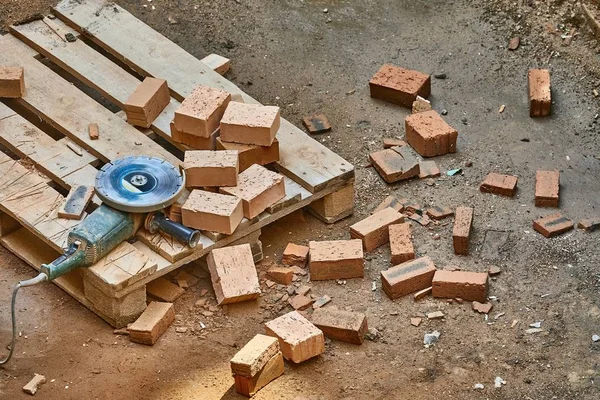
[
  {"x": 504, "y": 185},
  {"x": 195, "y": 142},
  {"x": 213, "y": 212},
  {"x": 147, "y": 102},
  {"x": 345, "y": 326},
  {"x": 250, "y": 124},
  {"x": 210, "y": 168},
  {"x": 540, "y": 96},
  {"x": 337, "y": 259},
  {"x": 299, "y": 339},
  {"x": 391, "y": 202},
  {"x": 547, "y": 187},
  {"x": 317, "y": 123},
  {"x": 249, "y": 155},
  {"x": 470, "y": 286},
  {"x": 281, "y": 275},
  {"x": 12, "y": 82},
  {"x": 429, "y": 134},
  {"x": 200, "y": 112},
  {"x": 393, "y": 142},
  {"x": 422, "y": 220},
  {"x": 438, "y": 213},
  {"x": 407, "y": 277},
  {"x": 233, "y": 274},
  {"x": 401, "y": 246},
  {"x": 589, "y": 224},
  {"x": 93, "y": 131},
  {"x": 373, "y": 230},
  {"x": 462, "y": 230},
  {"x": 249, "y": 385},
  {"x": 295, "y": 255},
  {"x": 300, "y": 302},
  {"x": 428, "y": 169},
  {"x": 164, "y": 290},
  {"x": 254, "y": 355},
  {"x": 153, "y": 322},
  {"x": 553, "y": 225},
  {"x": 395, "y": 164},
  {"x": 399, "y": 86},
  {"x": 483, "y": 308}
]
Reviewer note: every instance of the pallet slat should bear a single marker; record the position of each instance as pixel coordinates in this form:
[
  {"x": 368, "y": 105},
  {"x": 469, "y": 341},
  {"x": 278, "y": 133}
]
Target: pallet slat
[{"x": 151, "y": 54}]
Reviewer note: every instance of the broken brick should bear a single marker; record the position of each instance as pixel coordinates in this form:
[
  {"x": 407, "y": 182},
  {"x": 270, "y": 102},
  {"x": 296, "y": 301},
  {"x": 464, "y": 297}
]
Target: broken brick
[
  {"x": 391, "y": 202},
  {"x": 317, "y": 123},
  {"x": 299, "y": 339},
  {"x": 300, "y": 302},
  {"x": 547, "y": 187},
  {"x": 422, "y": 220},
  {"x": 420, "y": 105},
  {"x": 553, "y": 225},
  {"x": 483, "y": 308},
  {"x": 393, "y": 142},
  {"x": 153, "y": 322},
  {"x": 429, "y": 134},
  {"x": 540, "y": 95},
  {"x": 504, "y": 185},
  {"x": 281, "y": 275},
  {"x": 254, "y": 355},
  {"x": 439, "y": 213},
  {"x": 249, "y": 154},
  {"x": 337, "y": 259},
  {"x": 416, "y": 321},
  {"x": 462, "y": 230},
  {"x": 373, "y": 230},
  {"x": 401, "y": 246},
  {"x": 200, "y": 113},
  {"x": 321, "y": 301},
  {"x": 399, "y": 86},
  {"x": 93, "y": 131},
  {"x": 162, "y": 289},
  {"x": 33, "y": 385},
  {"x": 408, "y": 277},
  {"x": 249, "y": 385},
  {"x": 250, "y": 124},
  {"x": 395, "y": 164},
  {"x": 589, "y": 224},
  {"x": 295, "y": 255},
  {"x": 233, "y": 274},
  {"x": 12, "y": 82},
  {"x": 345, "y": 326},
  {"x": 77, "y": 200},
  {"x": 428, "y": 169},
  {"x": 468, "y": 286}
]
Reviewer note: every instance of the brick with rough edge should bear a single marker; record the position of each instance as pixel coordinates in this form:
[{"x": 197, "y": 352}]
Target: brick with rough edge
[
  {"x": 439, "y": 213},
  {"x": 429, "y": 134},
  {"x": 391, "y": 202},
  {"x": 589, "y": 224},
  {"x": 164, "y": 290},
  {"x": 373, "y": 230},
  {"x": 210, "y": 168},
  {"x": 12, "y": 82},
  {"x": 299, "y": 339},
  {"x": 504, "y": 185},
  {"x": 462, "y": 230},
  {"x": 153, "y": 322},
  {"x": 250, "y": 124},
  {"x": 345, "y": 326},
  {"x": 254, "y": 355},
  {"x": 317, "y": 123},
  {"x": 553, "y": 225},
  {"x": 281, "y": 275},
  {"x": 233, "y": 274},
  {"x": 540, "y": 94},
  {"x": 147, "y": 102},
  {"x": 399, "y": 86},
  {"x": 408, "y": 277},
  {"x": 273, "y": 369},
  {"x": 213, "y": 212},
  {"x": 428, "y": 169},
  {"x": 395, "y": 164},
  {"x": 201, "y": 111},
  {"x": 336, "y": 259},
  {"x": 401, "y": 245},
  {"x": 470, "y": 286},
  {"x": 420, "y": 105},
  {"x": 295, "y": 255},
  {"x": 388, "y": 143}
]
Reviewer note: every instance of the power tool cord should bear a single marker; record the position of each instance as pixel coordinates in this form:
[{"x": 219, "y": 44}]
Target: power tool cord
[{"x": 30, "y": 282}]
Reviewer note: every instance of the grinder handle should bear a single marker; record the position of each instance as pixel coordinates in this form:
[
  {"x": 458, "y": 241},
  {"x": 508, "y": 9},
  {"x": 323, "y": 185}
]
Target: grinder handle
[{"x": 158, "y": 221}]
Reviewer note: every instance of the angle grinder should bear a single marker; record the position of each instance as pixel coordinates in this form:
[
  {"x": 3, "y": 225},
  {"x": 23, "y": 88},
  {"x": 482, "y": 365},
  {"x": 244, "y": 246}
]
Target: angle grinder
[{"x": 133, "y": 190}]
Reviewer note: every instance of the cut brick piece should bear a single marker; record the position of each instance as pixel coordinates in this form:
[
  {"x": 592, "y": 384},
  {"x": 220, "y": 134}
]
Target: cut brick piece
[
  {"x": 401, "y": 246},
  {"x": 429, "y": 134},
  {"x": 254, "y": 355},
  {"x": 76, "y": 202},
  {"x": 164, "y": 290},
  {"x": 547, "y": 187},
  {"x": 295, "y": 255},
  {"x": 147, "y": 102},
  {"x": 388, "y": 143},
  {"x": 438, "y": 213},
  {"x": 233, "y": 274},
  {"x": 345, "y": 326},
  {"x": 408, "y": 277},
  {"x": 504, "y": 185},
  {"x": 483, "y": 308},
  {"x": 553, "y": 225},
  {"x": 211, "y": 168},
  {"x": 300, "y": 302},
  {"x": 250, "y": 124},
  {"x": 153, "y": 322},
  {"x": 217, "y": 63},
  {"x": 540, "y": 95},
  {"x": 395, "y": 164},
  {"x": 470, "y": 286},
  {"x": 420, "y": 105},
  {"x": 589, "y": 224},
  {"x": 391, "y": 202},
  {"x": 399, "y": 86},
  {"x": 281, "y": 275},
  {"x": 422, "y": 220},
  {"x": 258, "y": 188},
  {"x": 421, "y": 294},
  {"x": 195, "y": 142},
  {"x": 201, "y": 112},
  {"x": 299, "y": 339},
  {"x": 249, "y": 155},
  {"x": 462, "y": 230},
  {"x": 12, "y": 82},
  {"x": 428, "y": 169},
  {"x": 317, "y": 123},
  {"x": 213, "y": 212},
  {"x": 373, "y": 230},
  {"x": 336, "y": 259},
  {"x": 93, "y": 131},
  {"x": 273, "y": 369}
]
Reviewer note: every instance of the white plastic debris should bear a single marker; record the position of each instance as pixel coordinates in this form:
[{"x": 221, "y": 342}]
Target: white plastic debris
[
  {"x": 595, "y": 338},
  {"x": 431, "y": 338},
  {"x": 478, "y": 386},
  {"x": 498, "y": 382},
  {"x": 536, "y": 325}
]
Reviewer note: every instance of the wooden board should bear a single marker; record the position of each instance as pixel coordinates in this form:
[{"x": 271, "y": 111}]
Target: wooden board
[
  {"x": 151, "y": 54},
  {"x": 70, "y": 111}
]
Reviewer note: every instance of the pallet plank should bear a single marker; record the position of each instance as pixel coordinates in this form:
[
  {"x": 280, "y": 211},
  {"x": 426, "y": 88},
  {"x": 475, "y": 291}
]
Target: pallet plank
[{"x": 151, "y": 54}]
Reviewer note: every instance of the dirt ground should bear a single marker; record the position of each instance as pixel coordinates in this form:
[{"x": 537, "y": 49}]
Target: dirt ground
[{"x": 295, "y": 55}]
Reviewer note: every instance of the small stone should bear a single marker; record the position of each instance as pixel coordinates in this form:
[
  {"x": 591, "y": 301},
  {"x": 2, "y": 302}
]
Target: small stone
[
  {"x": 483, "y": 308},
  {"x": 372, "y": 334},
  {"x": 478, "y": 386},
  {"x": 444, "y": 112},
  {"x": 303, "y": 290},
  {"x": 595, "y": 338},
  {"x": 416, "y": 321},
  {"x": 373, "y": 286},
  {"x": 32, "y": 387},
  {"x": 70, "y": 37},
  {"x": 200, "y": 302},
  {"x": 464, "y": 120},
  {"x": 469, "y": 164},
  {"x": 435, "y": 315},
  {"x": 325, "y": 10},
  {"x": 458, "y": 300},
  {"x": 172, "y": 20},
  {"x": 494, "y": 270},
  {"x": 431, "y": 338},
  {"x": 436, "y": 236},
  {"x": 498, "y": 382},
  {"x": 207, "y": 313},
  {"x": 181, "y": 329},
  {"x": 536, "y": 324},
  {"x": 291, "y": 290},
  {"x": 533, "y": 330},
  {"x": 269, "y": 283},
  {"x": 440, "y": 76}
]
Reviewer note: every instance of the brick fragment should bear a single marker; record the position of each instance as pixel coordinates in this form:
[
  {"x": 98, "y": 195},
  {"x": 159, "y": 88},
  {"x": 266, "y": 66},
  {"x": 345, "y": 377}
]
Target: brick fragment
[
  {"x": 233, "y": 274},
  {"x": 33, "y": 385},
  {"x": 401, "y": 246},
  {"x": 295, "y": 255},
  {"x": 553, "y": 225},
  {"x": 435, "y": 315},
  {"x": 416, "y": 321},
  {"x": 395, "y": 164},
  {"x": 589, "y": 224},
  {"x": 410, "y": 207},
  {"x": 540, "y": 97},
  {"x": 281, "y": 275},
  {"x": 78, "y": 199},
  {"x": 462, "y": 230},
  {"x": 483, "y": 308},
  {"x": 248, "y": 386},
  {"x": 321, "y": 301},
  {"x": 429, "y": 134},
  {"x": 147, "y": 102},
  {"x": 470, "y": 286},
  {"x": 254, "y": 355},
  {"x": 250, "y": 124},
  {"x": 439, "y": 213},
  {"x": 195, "y": 142},
  {"x": 420, "y": 105},
  {"x": 407, "y": 277},
  {"x": 249, "y": 154},
  {"x": 428, "y": 169},
  {"x": 12, "y": 82},
  {"x": 399, "y": 86},
  {"x": 373, "y": 230},
  {"x": 217, "y": 63},
  {"x": 300, "y": 302},
  {"x": 420, "y": 219},
  {"x": 93, "y": 131},
  {"x": 391, "y": 202},
  {"x": 337, "y": 259},
  {"x": 317, "y": 123},
  {"x": 504, "y": 185},
  {"x": 393, "y": 142},
  {"x": 164, "y": 290},
  {"x": 213, "y": 212},
  {"x": 547, "y": 187},
  {"x": 345, "y": 326},
  {"x": 153, "y": 322},
  {"x": 211, "y": 168},
  {"x": 299, "y": 339},
  {"x": 421, "y": 294},
  {"x": 200, "y": 113}
]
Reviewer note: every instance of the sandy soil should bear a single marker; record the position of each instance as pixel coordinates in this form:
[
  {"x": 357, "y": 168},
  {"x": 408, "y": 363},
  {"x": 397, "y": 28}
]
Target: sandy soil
[{"x": 292, "y": 54}]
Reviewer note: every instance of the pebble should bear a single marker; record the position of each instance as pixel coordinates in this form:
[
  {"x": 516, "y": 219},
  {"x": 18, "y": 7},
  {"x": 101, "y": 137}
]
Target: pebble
[
  {"x": 431, "y": 338},
  {"x": 435, "y": 315},
  {"x": 440, "y": 76},
  {"x": 444, "y": 112},
  {"x": 436, "y": 236},
  {"x": 372, "y": 334},
  {"x": 536, "y": 325},
  {"x": 494, "y": 270},
  {"x": 32, "y": 387},
  {"x": 533, "y": 330},
  {"x": 207, "y": 313},
  {"x": 595, "y": 338},
  {"x": 416, "y": 321},
  {"x": 498, "y": 382},
  {"x": 321, "y": 301},
  {"x": 478, "y": 386},
  {"x": 464, "y": 120},
  {"x": 373, "y": 286},
  {"x": 181, "y": 329}
]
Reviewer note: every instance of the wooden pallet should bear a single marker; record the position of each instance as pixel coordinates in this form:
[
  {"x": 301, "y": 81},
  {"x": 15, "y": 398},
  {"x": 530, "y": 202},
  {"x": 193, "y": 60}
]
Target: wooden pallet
[{"x": 31, "y": 187}]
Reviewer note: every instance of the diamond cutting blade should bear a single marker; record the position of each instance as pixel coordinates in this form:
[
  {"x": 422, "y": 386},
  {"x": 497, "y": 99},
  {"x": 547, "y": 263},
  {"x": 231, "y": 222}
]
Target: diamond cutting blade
[{"x": 139, "y": 184}]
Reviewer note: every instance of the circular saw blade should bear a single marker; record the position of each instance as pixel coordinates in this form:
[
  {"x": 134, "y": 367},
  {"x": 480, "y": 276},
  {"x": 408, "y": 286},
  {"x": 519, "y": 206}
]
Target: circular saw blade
[{"x": 139, "y": 184}]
